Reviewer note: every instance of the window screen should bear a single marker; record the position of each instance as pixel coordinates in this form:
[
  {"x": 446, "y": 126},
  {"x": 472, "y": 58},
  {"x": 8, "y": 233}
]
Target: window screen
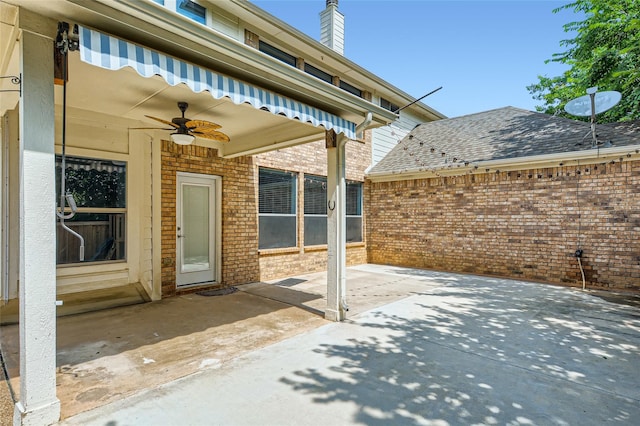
[
  {"x": 277, "y": 209},
  {"x": 354, "y": 212},
  {"x": 315, "y": 210}
]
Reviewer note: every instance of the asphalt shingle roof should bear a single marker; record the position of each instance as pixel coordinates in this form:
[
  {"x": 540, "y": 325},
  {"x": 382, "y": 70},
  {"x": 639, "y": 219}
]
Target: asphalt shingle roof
[{"x": 498, "y": 134}]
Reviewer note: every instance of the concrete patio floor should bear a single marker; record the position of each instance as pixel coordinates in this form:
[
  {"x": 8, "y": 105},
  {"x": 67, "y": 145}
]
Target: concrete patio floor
[
  {"x": 110, "y": 354},
  {"x": 419, "y": 347}
]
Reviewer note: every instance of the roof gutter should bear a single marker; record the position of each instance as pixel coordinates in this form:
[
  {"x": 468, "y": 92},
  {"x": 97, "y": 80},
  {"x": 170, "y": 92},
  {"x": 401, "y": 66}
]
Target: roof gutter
[{"x": 595, "y": 156}]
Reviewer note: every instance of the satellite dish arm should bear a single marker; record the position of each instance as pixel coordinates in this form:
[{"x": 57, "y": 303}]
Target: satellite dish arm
[{"x": 593, "y": 118}]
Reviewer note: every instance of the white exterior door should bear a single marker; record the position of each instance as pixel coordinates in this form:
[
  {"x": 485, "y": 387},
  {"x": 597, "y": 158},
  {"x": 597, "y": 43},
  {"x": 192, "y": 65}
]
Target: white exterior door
[{"x": 196, "y": 229}]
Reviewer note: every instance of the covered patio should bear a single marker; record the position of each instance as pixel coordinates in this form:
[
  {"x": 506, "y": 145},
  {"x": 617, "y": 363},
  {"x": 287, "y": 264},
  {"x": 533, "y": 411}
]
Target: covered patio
[{"x": 135, "y": 61}]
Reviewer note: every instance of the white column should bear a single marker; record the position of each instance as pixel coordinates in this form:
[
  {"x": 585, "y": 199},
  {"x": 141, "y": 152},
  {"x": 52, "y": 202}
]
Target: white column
[
  {"x": 38, "y": 404},
  {"x": 336, "y": 228}
]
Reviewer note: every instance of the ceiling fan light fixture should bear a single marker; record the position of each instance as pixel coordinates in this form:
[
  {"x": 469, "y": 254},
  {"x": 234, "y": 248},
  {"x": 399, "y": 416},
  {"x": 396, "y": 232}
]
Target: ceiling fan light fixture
[{"x": 182, "y": 138}]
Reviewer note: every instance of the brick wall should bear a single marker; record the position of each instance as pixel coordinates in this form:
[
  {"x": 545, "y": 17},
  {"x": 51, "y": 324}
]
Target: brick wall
[
  {"x": 312, "y": 159},
  {"x": 520, "y": 224},
  {"x": 239, "y": 211}
]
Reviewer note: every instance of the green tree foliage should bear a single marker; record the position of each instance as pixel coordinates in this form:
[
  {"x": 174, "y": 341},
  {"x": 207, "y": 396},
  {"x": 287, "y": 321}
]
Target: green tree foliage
[{"x": 604, "y": 53}]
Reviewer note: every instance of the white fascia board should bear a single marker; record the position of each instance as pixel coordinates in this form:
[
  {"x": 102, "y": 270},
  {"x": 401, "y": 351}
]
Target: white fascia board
[{"x": 594, "y": 156}]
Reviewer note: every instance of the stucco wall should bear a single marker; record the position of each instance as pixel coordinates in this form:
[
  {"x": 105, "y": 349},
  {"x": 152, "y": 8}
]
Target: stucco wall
[{"x": 520, "y": 224}]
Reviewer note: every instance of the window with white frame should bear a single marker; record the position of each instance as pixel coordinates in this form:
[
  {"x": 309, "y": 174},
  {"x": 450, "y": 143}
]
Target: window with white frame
[
  {"x": 318, "y": 73},
  {"x": 277, "y": 209},
  {"x": 189, "y": 8},
  {"x": 192, "y": 10},
  {"x": 276, "y": 53},
  {"x": 315, "y": 211},
  {"x": 350, "y": 88},
  {"x": 386, "y": 104},
  {"x": 99, "y": 190},
  {"x": 354, "y": 212}
]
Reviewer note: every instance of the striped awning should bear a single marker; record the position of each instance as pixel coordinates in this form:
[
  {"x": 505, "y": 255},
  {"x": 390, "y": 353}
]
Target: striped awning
[{"x": 112, "y": 53}]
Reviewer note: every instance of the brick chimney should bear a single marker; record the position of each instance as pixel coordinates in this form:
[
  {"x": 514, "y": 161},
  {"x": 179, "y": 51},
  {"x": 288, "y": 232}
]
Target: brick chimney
[{"x": 332, "y": 27}]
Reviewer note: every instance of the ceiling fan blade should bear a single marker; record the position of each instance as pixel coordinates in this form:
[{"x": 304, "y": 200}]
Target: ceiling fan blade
[
  {"x": 173, "y": 125},
  {"x": 204, "y": 131},
  {"x": 201, "y": 125},
  {"x": 213, "y": 135},
  {"x": 149, "y": 128}
]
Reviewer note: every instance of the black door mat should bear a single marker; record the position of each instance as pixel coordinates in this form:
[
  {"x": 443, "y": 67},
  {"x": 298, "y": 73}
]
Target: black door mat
[{"x": 218, "y": 291}]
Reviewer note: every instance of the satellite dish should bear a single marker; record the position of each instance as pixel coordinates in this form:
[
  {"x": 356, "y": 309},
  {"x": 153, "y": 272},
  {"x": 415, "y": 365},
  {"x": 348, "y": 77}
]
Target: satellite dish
[
  {"x": 593, "y": 103},
  {"x": 603, "y": 101}
]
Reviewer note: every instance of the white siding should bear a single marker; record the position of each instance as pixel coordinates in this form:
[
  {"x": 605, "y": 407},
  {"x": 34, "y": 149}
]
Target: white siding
[
  {"x": 385, "y": 138},
  {"x": 225, "y": 23},
  {"x": 146, "y": 219},
  {"x": 332, "y": 29}
]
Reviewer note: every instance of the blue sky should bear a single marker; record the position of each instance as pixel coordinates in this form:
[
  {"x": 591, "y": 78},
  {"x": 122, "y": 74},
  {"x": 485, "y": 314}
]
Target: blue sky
[{"x": 483, "y": 53}]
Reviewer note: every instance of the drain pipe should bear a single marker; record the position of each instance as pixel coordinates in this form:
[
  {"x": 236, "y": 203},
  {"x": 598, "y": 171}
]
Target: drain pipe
[{"x": 362, "y": 126}]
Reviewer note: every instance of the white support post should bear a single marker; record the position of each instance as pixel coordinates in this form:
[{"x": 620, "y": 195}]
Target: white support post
[
  {"x": 336, "y": 228},
  {"x": 38, "y": 404}
]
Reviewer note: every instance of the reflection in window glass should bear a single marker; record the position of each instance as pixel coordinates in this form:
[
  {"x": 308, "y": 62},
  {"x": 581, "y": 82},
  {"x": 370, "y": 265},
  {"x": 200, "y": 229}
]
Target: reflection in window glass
[
  {"x": 192, "y": 10},
  {"x": 99, "y": 190}
]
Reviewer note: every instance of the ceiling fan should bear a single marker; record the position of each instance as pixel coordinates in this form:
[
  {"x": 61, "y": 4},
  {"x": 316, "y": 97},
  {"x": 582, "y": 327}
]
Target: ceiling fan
[{"x": 186, "y": 129}]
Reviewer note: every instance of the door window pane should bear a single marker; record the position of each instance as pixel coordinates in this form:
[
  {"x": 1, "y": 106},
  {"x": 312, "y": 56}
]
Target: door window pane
[{"x": 195, "y": 232}]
